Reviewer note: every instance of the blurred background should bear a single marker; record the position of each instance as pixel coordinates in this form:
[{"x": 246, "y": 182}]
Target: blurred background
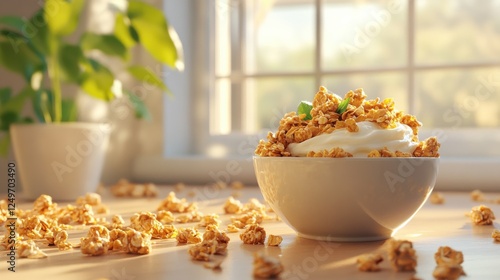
[{"x": 248, "y": 62}]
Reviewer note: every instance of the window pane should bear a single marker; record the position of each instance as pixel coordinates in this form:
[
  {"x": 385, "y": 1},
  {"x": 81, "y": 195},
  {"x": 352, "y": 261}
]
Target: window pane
[
  {"x": 459, "y": 98},
  {"x": 382, "y": 85},
  {"x": 364, "y": 34},
  {"x": 224, "y": 10},
  {"x": 454, "y": 31},
  {"x": 280, "y": 36},
  {"x": 220, "y": 108},
  {"x": 274, "y": 97}
]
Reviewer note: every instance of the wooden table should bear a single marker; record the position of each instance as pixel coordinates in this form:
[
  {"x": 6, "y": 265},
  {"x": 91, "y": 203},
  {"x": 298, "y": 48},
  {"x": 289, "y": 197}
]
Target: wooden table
[{"x": 433, "y": 226}]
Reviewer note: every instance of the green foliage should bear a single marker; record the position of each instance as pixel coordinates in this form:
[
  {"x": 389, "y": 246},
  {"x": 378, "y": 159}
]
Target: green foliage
[
  {"x": 343, "y": 106},
  {"x": 305, "y": 107},
  {"x": 38, "y": 49}
]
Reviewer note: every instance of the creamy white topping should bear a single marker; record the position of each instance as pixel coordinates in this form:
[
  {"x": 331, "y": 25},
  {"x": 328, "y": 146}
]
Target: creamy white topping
[{"x": 369, "y": 137}]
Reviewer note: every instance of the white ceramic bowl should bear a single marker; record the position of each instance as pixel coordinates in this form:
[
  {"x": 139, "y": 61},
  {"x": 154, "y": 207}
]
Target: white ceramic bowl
[{"x": 345, "y": 199}]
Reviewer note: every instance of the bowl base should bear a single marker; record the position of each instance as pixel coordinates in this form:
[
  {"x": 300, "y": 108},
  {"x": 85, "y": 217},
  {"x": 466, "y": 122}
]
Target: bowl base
[{"x": 344, "y": 239}]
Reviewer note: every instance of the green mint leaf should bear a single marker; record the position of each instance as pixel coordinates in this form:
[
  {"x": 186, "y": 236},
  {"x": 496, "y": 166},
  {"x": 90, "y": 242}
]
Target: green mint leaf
[
  {"x": 343, "y": 106},
  {"x": 305, "y": 108}
]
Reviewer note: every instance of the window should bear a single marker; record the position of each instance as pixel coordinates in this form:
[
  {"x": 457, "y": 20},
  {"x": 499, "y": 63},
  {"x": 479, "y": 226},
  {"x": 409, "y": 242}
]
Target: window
[{"x": 256, "y": 59}]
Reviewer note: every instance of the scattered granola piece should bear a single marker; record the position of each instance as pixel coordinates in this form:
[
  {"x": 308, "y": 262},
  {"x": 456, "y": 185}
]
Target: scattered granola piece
[
  {"x": 175, "y": 205},
  {"x": 436, "y": 198},
  {"x": 210, "y": 219},
  {"x": 369, "y": 262},
  {"x": 446, "y": 255},
  {"x": 266, "y": 266},
  {"x": 477, "y": 195},
  {"x": 254, "y": 234},
  {"x": 482, "y": 215},
  {"x": 193, "y": 216},
  {"x": 92, "y": 199},
  {"x": 165, "y": 217},
  {"x": 402, "y": 256},
  {"x": 138, "y": 242},
  {"x": 249, "y": 218},
  {"x": 43, "y": 205},
  {"x": 496, "y": 235},
  {"x": 125, "y": 188},
  {"x": 61, "y": 240},
  {"x": 117, "y": 221},
  {"x": 232, "y": 206},
  {"x": 448, "y": 272},
  {"x": 189, "y": 235},
  {"x": 146, "y": 222},
  {"x": 213, "y": 233},
  {"x": 203, "y": 250},
  {"x": 28, "y": 249},
  {"x": 274, "y": 240},
  {"x": 96, "y": 242}
]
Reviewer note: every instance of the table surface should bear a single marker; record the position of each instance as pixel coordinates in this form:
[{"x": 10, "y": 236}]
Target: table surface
[{"x": 433, "y": 226}]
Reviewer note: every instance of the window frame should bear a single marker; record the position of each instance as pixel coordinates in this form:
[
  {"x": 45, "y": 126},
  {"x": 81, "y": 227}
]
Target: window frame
[{"x": 186, "y": 148}]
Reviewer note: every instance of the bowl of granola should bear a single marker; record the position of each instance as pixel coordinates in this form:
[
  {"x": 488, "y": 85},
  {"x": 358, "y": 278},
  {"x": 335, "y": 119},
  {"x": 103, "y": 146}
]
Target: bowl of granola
[{"x": 346, "y": 169}]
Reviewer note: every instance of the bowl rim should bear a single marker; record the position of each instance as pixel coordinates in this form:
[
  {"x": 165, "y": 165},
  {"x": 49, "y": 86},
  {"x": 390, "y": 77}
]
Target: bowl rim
[{"x": 291, "y": 158}]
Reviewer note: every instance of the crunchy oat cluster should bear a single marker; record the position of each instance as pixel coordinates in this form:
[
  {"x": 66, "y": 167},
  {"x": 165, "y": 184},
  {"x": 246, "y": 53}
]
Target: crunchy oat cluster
[
  {"x": 214, "y": 243},
  {"x": 173, "y": 204},
  {"x": 369, "y": 262},
  {"x": 266, "y": 266},
  {"x": 125, "y": 188},
  {"x": 295, "y": 128},
  {"x": 401, "y": 255},
  {"x": 481, "y": 215},
  {"x": 436, "y": 198},
  {"x": 495, "y": 234},
  {"x": 254, "y": 234},
  {"x": 274, "y": 240},
  {"x": 449, "y": 263}
]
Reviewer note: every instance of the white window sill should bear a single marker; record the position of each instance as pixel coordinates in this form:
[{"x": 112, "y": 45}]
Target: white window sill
[{"x": 457, "y": 174}]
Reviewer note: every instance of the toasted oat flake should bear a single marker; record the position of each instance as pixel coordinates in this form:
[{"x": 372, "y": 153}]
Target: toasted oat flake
[
  {"x": 274, "y": 240},
  {"x": 369, "y": 262},
  {"x": 203, "y": 251},
  {"x": 266, "y": 266},
  {"x": 254, "y": 234},
  {"x": 401, "y": 255},
  {"x": 436, "y": 198},
  {"x": 173, "y": 204},
  {"x": 496, "y": 235},
  {"x": 481, "y": 215}
]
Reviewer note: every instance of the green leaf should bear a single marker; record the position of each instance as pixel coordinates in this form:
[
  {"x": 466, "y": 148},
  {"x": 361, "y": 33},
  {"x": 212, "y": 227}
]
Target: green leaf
[
  {"x": 305, "y": 108},
  {"x": 108, "y": 44},
  {"x": 69, "y": 58},
  {"x": 122, "y": 31},
  {"x": 15, "y": 103},
  {"x": 18, "y": 23},
  {"x": 140, "y": 109},
  {"x": 5, "y": 94},
  {"x": 144, "y": 74},
  {"x": 69, "y": 110},
  {"x": 153, "y": 32},
  {"x": 38, "y": 32},
  {"x": 62, "y": 16},
  {"x": 4, "y": 144},
  {"x": 343, "y": 106},
  {"x": 17, "y": 56},
  {"x": 97, "y": 80},
  {"x": 7, "y": 118}
]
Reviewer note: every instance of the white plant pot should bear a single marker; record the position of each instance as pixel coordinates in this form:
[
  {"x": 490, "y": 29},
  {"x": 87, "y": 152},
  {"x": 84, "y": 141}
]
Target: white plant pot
[{"x": 61, "y": 160}]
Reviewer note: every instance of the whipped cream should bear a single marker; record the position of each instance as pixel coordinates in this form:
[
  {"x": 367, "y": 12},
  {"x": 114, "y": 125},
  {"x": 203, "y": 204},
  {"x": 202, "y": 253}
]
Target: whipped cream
[{"x": 369, "y": 137}]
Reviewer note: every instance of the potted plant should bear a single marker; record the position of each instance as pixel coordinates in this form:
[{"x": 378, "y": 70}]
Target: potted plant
[{"x": 55, "y": 154}]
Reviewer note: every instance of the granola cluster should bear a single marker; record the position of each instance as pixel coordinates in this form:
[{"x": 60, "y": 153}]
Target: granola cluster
[
  {"x": 124, "y": 188},
  {"x": 266, "y": 266},
  {"x": 401, "y": 255},
  {"x": 325, "y": 118},
  {"x": 369, "y": 262},
  {"x": 100, "y": 240},
  {"x": 254, "y": 234},
  {"x": 449, "y": 263},
  {"x": 481, "y": 215},
  {"x": 175, "y": 205}
]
